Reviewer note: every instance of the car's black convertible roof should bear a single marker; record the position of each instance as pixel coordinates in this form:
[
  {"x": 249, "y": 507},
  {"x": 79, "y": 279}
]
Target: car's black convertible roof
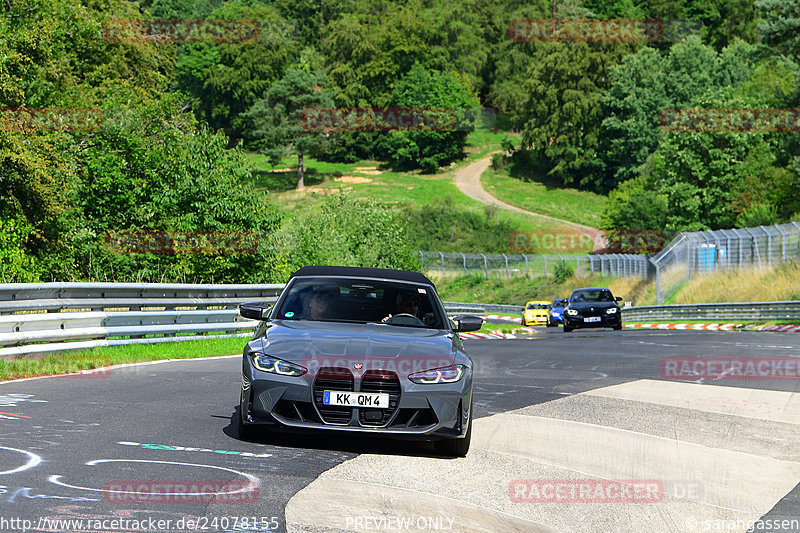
[{"x": 382, "y": 273}]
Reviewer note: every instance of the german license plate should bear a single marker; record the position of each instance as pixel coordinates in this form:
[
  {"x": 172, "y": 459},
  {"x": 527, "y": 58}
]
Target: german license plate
[
  {"x": 355, "y": 399},
  {"x": 592, "y": 319}
]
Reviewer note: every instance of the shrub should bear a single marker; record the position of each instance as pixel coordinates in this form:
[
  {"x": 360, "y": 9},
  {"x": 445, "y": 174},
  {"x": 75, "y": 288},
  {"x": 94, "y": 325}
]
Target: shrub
[
  {"x": 347, "y": 231},
  {"x": 562, "y": 272}
]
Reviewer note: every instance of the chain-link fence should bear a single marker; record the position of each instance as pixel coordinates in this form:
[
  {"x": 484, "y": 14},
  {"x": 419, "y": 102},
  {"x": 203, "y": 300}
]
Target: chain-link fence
[
  {"x": 701, "y": 252},
  {"x": 498, "y": 266},
  {"x": 689, "y": 254}
]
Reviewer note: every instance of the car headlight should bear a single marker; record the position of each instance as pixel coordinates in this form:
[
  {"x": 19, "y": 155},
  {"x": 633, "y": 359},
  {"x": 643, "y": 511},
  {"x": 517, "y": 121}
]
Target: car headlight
[
  {"x": 572, "y": 312},
  {"x": 448, "y": 374},
  {"x": 553, "y": 313},
  {"x": 611, "y": 310},
  {"x": 273, "y": 365}
]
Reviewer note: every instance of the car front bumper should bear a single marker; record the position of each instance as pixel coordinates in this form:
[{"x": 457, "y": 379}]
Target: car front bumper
[
  {"x": 606, "y": 321},
  {"x": 536, "y": 319},
  {"x": 419, "y": 411}
]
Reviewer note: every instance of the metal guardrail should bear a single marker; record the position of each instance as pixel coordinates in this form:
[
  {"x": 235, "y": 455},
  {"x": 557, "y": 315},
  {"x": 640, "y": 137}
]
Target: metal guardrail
[
  {"x": 457, "y": 307},
  {"x": 779, "y": 311},
  {"x": 43, "y": 318},
  {"x": 73, "y": 316}
]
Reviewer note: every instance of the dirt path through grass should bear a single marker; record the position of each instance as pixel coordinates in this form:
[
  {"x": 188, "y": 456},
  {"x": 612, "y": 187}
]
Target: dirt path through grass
[{"x": 468, "y": 181}]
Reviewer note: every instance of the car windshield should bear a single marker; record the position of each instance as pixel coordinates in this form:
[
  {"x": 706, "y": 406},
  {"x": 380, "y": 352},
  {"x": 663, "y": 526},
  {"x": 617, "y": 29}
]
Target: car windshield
[
  {"x": 592, "y": 295},
  {"x": 559, "y": 303},
  {"x": 361, "y": 301},
  {"x": 538, "y": 306}
]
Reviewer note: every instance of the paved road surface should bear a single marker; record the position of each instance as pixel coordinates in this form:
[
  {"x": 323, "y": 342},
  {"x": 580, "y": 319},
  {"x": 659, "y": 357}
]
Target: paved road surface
[{"x": 584, "y": 406}]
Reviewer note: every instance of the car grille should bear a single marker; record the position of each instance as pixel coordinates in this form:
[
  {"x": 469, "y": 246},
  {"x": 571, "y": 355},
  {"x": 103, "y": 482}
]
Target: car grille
[
  {"x": 373, "y": 381},
  {"x": 339, "y": 379},
  {"x": 379, "y": 381}
]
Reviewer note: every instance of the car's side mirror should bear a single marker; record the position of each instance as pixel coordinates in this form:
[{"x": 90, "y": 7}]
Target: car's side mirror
[
  {"x": 467, "y": 323},
  {"x": 618, "y": 299},
  {"x": 255, "y": 311}
]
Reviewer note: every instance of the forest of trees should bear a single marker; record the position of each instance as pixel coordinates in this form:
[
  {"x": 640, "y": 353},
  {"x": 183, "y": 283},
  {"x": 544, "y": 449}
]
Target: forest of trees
[{"x": 168, "y": 153}]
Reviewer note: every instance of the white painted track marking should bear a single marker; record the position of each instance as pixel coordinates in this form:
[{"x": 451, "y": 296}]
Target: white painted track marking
[{"x": 33, "y": 461}]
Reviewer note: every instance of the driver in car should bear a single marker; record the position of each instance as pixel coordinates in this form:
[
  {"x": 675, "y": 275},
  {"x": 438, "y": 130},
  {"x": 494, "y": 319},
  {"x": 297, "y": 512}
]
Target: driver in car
[
  {"x": 407, "y": 304},
  {"x": 321, "y": 302}
]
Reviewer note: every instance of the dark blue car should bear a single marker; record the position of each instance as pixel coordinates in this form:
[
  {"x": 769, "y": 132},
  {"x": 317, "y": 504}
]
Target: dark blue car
[{"x": 556, "y": 315}]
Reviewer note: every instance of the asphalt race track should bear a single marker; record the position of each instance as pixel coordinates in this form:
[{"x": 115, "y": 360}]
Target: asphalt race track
[{"x": 555, "y": 411}]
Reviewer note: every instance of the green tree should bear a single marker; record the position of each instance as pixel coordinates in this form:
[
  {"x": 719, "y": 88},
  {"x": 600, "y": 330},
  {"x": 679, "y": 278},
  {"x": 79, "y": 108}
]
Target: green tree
[
  {"x": 224, "y": 80},
  {"x": 429, "y": 149},
  {"x": 634, "y": 101},
  {"x": 780, "y": 26},
  {"x": 348, "y": 231},
  {"x": 278, "y": 126},
  {"x": 635, "y": 205},
  {"x": 724, "y": 20},
  {"x": 154, "y": 169},
  {"x": 372, "y": 46},
  {"x": 564, "y": 110}
]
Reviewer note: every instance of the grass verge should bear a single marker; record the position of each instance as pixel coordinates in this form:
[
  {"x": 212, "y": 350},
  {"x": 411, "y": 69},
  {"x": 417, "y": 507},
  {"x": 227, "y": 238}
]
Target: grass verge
[
  {"x": 369, "y": 179},
  {"x": 582, "y": 207},
  {"x": 113, "y": 355},
  {"x": 714, "y": 321},
  {"x": 518, "y": 291},
  {"x": 498, "y": 328}
]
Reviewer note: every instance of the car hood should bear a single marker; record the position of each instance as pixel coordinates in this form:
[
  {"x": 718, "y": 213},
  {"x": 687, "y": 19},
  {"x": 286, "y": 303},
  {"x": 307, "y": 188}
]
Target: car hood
[
  {"x": 588, "y": 306},
  {"x": 375, "y": 346}
]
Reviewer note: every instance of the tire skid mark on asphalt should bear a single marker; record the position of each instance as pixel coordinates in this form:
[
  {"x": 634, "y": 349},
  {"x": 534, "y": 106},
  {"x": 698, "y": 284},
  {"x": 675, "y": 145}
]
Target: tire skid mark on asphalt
[{"x": 534, "y": 443}]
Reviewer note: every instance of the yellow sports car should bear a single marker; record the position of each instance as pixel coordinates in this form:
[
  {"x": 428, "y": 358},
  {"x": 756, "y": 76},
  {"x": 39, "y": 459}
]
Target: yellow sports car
[{"x": 535, "y": 312}]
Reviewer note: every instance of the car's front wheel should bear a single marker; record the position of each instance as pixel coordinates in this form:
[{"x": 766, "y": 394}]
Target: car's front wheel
[
  {"x": 455, "y": 447},
  {"x": 567, "y": 328}
]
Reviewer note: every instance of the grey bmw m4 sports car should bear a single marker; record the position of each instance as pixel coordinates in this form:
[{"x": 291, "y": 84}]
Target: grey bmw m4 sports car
[{"x": 361, "y": 350}]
